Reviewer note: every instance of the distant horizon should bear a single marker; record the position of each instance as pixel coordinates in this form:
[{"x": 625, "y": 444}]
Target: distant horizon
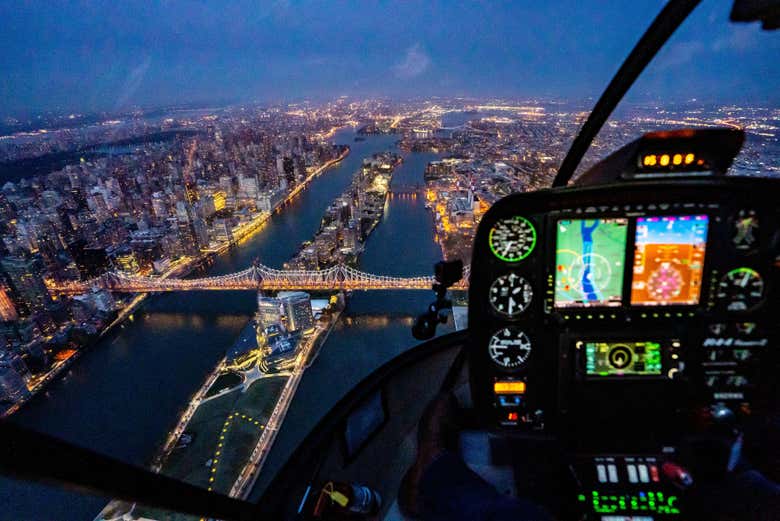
[
  {"x": 217, "y": 104},
  {"x": 109, "y": 57}
]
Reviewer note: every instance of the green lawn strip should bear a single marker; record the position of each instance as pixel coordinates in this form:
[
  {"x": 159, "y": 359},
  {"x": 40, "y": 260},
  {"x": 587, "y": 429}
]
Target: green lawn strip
[
  {"x": 249, "y": 418},
  {"x": 189, "y": 463},
  {"x": 261, "y": 397}
]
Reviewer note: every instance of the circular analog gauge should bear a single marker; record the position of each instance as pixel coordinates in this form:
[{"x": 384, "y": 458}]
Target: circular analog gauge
[
  {"x": 512, "y": 239},
  {"x": 744, "y": 235},
  {"x": 741, "y": 289},
  {"x": 510, "y": 294},
  {"x": 665, "y": 282},
  {"x": 509, "y": 347}
]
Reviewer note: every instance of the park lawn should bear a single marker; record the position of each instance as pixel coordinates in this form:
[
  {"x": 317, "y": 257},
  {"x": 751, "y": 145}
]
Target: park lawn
[
  {"x": 189, "y": 464},
  {"x": 250, "y": 415}
]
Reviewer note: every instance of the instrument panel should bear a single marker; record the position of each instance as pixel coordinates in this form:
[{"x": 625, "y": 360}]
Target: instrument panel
[{"x": 597, "y": 299}]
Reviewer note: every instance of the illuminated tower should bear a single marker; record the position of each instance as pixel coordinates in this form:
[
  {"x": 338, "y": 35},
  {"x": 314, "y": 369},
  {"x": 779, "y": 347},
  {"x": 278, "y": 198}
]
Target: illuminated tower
[
  {"x": 297, "y": 310},
  {"x": 24, "y": 278},
  {"x": 7, "y": 308}
]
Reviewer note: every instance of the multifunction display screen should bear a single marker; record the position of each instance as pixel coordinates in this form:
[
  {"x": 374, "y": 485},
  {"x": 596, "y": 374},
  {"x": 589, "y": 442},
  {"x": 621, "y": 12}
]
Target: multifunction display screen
[
  {"x": 622, "y": 358},
  {"x": 668, "y": 260},
  {"x": 590, "y": 262}
]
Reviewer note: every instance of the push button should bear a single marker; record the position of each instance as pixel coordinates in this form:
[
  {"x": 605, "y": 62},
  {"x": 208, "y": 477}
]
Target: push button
[
  {"x": 601, "y": 473},
  {"x": 632, "y": 475},
  {"x": 613, "y": 475}
]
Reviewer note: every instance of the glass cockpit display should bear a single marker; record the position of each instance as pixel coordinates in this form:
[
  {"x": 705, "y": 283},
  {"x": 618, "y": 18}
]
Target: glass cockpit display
[
  {"x": 622, "y": 358},
  {"x": 589, "y": 262},
  {"x": 669, "y": 260}
]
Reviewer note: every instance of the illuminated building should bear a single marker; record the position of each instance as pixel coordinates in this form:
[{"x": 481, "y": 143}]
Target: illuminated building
[
  {"x": 222, "y": 230},
  {"x": 7, "y": 309},
  {"x": 269, "y": 311},
  {"x": 279, "y": 346},
  {"x": 220, "y": 199},
  {"x": 12, "y": 385},
  {"x": 124, "y": 260},
  {"x": 289, "y": 171},
  {"x": 297, "y": 310},
  {"x": 159, "y": 205},
  {"x": 267, "y": 201},
  {"x": 24, "y": 278},
  {"x": 186, "y": 233},
  {"x": 201, "y": 231}
]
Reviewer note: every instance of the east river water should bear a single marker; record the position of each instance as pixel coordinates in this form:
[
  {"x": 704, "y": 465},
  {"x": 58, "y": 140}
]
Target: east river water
[{"x": 125, "y": 394}]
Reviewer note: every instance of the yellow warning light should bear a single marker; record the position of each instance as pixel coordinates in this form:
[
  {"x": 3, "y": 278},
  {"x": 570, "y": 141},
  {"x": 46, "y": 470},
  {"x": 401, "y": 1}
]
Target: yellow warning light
[
  {"x": 649, "y": 160},
  {"x": 689, "y": 158},
  {"x": 509, "y": 387},
  {"x": 677, "y": 159},
  {"x": 664, "y": 160}
]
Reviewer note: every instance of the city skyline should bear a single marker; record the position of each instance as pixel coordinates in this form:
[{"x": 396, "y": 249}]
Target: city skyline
[{"x": 88, "y": 58}]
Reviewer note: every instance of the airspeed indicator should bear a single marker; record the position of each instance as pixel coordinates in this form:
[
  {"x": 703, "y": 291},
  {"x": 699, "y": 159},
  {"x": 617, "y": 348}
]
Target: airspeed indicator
[{"x": 512, "y": 239}]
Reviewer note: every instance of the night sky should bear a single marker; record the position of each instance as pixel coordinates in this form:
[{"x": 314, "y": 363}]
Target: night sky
[{"x": 85, "y": 56}]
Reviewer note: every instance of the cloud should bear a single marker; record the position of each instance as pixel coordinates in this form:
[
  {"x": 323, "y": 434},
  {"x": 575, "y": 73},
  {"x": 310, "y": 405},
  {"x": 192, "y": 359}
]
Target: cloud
[
  {"x": 739, "y": 39},
  {"x": 415, "y": 62},
  {"x": 680, "y": 54},
  {"x": 133, "y": 81}
]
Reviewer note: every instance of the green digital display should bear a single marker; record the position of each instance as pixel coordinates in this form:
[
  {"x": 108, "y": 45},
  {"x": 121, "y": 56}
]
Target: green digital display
[
  {"x": 590, "y": 262},
  {"x": 644, "y": 502},
  {"x": 622, "y": 358}
]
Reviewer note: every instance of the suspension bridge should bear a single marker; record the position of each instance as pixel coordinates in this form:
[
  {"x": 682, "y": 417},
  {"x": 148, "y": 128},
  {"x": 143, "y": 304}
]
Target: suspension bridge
[{"x": 258, "y": 277}]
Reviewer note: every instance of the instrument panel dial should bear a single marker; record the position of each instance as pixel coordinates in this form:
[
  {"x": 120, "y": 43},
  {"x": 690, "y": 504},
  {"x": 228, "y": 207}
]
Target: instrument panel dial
[
  {"x": 741, "y": 289},
  {"x": 510, "y": 295},
  {"x": 512, "y": 239},
  {"x": 510, "y": 347}
]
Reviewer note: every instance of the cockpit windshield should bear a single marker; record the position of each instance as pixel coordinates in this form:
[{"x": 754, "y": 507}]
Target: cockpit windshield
[{"x": 217, "y": 218}]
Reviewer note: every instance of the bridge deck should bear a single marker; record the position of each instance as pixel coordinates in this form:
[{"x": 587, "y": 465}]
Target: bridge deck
[{"x": 257, "y": 277}]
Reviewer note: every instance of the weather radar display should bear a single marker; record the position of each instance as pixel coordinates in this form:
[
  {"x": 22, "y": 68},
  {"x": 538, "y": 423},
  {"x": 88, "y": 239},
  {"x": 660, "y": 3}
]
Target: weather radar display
[
  {"x": 669, "y": 260},
  {"x": 589, "y": 262}
]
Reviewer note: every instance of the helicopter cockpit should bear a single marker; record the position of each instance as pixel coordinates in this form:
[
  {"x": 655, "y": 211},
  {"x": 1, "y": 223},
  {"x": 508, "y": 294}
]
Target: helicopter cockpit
[
  {"x": 620, "y": 336},
  {"x": 620, "y": 355}
]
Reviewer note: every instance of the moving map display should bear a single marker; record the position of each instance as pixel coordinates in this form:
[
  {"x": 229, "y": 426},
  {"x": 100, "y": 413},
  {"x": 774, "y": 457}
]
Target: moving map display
[
  {"x": 589, "y": 262},
  {"x": 669, "y": 260}
]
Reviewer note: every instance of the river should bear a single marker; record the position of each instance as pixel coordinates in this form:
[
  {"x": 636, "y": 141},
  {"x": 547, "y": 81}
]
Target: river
[{"x": 126, "y": 393}]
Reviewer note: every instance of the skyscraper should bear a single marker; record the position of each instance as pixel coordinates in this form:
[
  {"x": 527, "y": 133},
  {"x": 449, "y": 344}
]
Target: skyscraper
[
  {"x": 7, "y": 308},
  {"x": 29, "y": 290},
  {"x": 269, "y": 311},
  {"x": 297, "y": 309}
]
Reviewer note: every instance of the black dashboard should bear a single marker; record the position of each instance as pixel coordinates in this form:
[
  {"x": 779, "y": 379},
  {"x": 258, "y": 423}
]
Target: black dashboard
[{"x": 613, "y": 318}]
